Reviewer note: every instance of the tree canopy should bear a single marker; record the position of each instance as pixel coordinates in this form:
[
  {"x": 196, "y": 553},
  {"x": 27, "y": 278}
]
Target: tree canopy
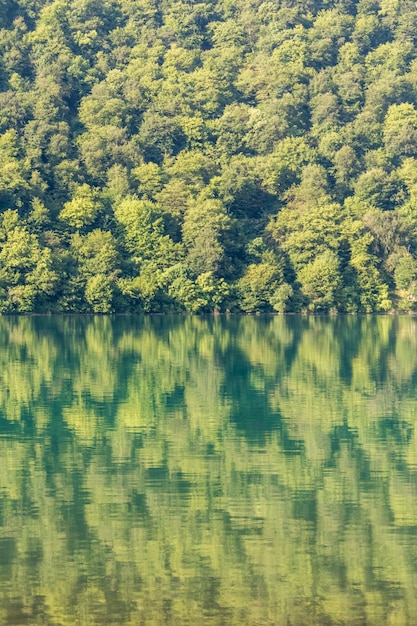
[{"x": 159, "y": 155}]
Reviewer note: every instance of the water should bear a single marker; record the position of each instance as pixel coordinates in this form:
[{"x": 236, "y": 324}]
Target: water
[{"x": 208, "y": 471}]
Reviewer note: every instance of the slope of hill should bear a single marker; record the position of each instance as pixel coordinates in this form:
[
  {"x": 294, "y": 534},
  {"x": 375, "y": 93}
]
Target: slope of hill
[{"x": 163, "y": 155}]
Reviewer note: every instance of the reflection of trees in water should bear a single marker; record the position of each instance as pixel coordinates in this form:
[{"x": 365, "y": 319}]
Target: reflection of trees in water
[{"x": 191, "y": 470}]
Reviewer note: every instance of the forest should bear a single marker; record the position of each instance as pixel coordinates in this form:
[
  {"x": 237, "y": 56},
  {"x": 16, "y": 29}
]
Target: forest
[{"x": 208, "y": 156}]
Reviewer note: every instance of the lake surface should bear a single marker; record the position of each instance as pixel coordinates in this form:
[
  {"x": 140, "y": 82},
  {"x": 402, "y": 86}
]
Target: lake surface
[{"x": 208, "y": 471}]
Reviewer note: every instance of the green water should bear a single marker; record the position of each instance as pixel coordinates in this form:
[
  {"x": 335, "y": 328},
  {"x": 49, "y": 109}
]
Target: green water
[{"x": 208, "y": 471}]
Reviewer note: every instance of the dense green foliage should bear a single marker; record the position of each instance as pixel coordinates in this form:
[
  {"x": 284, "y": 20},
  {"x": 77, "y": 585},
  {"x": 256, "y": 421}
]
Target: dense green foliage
[
  {"x": 209, "y": 471},
  {"x": 246, "y": 155}
]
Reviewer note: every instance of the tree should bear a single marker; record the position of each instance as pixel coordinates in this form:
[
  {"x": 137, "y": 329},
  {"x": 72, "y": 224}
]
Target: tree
[
  {"x": 12, "y": 180},
  {"x": 142, "y": 222},
  {"x": 400, "y": 130},
  {"x": 370, "y": 290},
  {"x": 204, "y": 231},
  {"x": 258, "y": 287},
  {"x": 321, "y": 282},
  {"x": 28, "y": 278},
  {"x": 83, "y": 209},
  {"x": 310, "y": 223},
  {"x": 98, "y": 268}
]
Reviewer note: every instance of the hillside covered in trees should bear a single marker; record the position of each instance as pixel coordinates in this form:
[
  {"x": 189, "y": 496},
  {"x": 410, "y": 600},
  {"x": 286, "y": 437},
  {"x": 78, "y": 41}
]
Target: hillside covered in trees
[{"x": 173, "y": 155}]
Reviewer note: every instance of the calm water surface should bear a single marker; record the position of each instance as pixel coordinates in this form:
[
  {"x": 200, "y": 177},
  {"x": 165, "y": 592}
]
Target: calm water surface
[{"x": 192, "y": 471}]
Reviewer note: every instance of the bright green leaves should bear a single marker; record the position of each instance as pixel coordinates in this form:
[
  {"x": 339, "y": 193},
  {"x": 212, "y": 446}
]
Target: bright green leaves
[
  {"x": 27, "y": 272},
  {"x": 179, "y": 135},
  {"x": 152, "y": 252},
  {"x": 279, "y": 72},
  {"x": 366, "y": 291},
  {"x": 283, "y": 166},
  {"x": 258, "y": 287},
  {"x": 400, "y": 130},
  {"x": 311, "y": 237},
  {"x": 170, "y": 275},
  {"x": 98, "y": 263},
  {"x": 321, "y": 282},
  {"x": 95, "y": 252},
  {"x": 332, "y": 254},
  {"x": 404, "y": 268},
  {"x": 83, "y": 209},
  {"x": 204, "y": 230},
  {"x": 12, "y": 179},
  {"x": 205, "y": 294},
  {"x": 106, "y": 105},
  {"x": 143, "y": 232},
  {"x": 309, "y": 223}
]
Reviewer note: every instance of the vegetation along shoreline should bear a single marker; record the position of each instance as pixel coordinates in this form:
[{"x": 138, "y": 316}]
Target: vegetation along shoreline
[{"x": 225, "y": 155}]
